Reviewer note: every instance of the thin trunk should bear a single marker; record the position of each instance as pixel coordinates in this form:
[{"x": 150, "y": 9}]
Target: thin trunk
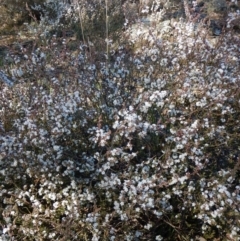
[{"x": 187, "y": 10}]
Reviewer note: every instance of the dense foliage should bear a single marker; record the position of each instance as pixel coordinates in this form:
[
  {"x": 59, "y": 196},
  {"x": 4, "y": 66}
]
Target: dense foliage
[{"x": 135, "y": 139}]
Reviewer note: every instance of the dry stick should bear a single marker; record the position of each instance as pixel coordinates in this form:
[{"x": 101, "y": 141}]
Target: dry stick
[
  {"x": 106, "y": 2},
  {"x": 81, "y": 23},
  {"x": 30, "y": 13}
]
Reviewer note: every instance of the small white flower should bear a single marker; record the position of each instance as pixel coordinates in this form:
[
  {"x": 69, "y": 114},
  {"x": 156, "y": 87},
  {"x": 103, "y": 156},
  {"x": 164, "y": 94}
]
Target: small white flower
[
  {"x": 159, "y": 238},
  {"x": 5, "y": 230},
  {"x": 12, "y": 213},
  {"x": 154, "y": 57},
  {"x": 131, "y": 108},
  {"x": 137, "y": 210},
  {"x": 56, "y": 148},
  {"x": 147, "y": 81},
  {"x": 56, "y": 205},
  {"x": 148, "y": 226},
  {"x": 52, "y": 196},
  {"x": 179, "y": 146},
  {"x": 51, "y": 235},
  {"x": 194, "y": 124}
]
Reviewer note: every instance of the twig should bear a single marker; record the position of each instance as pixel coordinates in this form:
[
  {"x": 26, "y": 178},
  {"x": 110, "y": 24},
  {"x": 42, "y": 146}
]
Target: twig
[
  {"x": 107, "y": 40},
  {"x": 81, "y": 21}
]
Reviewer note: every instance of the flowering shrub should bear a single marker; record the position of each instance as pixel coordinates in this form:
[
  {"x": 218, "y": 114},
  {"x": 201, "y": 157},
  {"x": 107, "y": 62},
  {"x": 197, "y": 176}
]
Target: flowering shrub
[{"x": 141, "y": 146}]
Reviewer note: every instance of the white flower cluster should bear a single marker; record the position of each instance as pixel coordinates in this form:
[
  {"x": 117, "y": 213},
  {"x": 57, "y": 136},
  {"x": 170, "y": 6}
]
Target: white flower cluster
[{"x": 140, "y": 148}]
